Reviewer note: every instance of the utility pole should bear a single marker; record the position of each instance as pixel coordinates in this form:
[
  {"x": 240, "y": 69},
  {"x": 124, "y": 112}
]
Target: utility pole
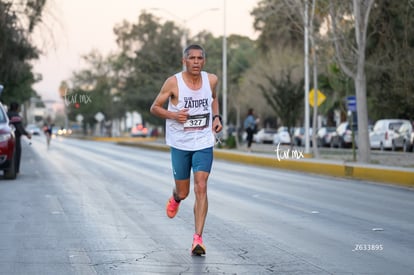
[{"x": 224, "y": 72}]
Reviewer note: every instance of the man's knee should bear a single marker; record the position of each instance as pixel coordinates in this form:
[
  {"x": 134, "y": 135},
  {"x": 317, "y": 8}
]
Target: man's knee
[
  {"x": 182, "y": 189},
  {"x": 200, "y": 185},
  {"x": 181, "y": 195}
]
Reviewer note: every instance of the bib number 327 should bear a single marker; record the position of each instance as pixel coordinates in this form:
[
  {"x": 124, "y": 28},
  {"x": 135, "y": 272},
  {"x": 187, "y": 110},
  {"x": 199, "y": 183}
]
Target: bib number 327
[{"x": 196, "y": 122}]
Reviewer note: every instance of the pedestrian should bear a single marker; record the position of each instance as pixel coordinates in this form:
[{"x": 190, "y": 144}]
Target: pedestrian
[
  {"x": 192, "y": 119},
  {"x": 250, "y": 126},
  {"x": 47, "y": 129},
  {"x": 16, "y": 120}
]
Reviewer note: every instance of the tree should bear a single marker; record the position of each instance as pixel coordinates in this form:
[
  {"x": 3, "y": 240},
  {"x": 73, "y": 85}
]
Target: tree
[
  {"x": 300, "y": 22},
  {"x": 17, "y": 21},
  {"x": 310, "y": 34},
  {"x": 241, "y": 54},
  {"x": 277, "y": 26},
  {"x": 272, "y": 85},
  {"x": 390, "y": 60},
  {"x": 149, "y": 52},
  {"x": 351, "y": 57},
  {"x": 336, "y": 86},
  {"x": 284, "y": 96},
  {"x": 91, "y": 90}
]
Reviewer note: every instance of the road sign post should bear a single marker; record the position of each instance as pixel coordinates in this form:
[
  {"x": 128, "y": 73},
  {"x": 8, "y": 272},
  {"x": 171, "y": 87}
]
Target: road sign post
[{"x": 351, "y": 103}]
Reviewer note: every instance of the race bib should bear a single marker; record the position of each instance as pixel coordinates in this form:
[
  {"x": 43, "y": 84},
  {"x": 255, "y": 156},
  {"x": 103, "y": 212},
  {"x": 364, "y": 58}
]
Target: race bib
[{"x": 197, "y": 122}]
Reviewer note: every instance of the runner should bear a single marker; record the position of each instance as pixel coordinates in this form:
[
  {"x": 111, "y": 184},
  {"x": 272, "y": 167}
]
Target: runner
[
  {"x": 192, "y": 118},
  {"x": 47, "y": 129}
]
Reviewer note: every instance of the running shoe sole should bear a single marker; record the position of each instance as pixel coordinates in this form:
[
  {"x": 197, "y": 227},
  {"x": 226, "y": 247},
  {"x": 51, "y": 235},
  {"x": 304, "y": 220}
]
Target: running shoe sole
[{"x": 198, "y": 250}]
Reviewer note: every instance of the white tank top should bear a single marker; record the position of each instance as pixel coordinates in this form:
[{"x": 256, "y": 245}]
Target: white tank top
[{"x": 196, "y": 133}]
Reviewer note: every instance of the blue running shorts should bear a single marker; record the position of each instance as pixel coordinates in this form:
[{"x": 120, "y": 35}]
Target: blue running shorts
[{"x": 183, "y": 161}]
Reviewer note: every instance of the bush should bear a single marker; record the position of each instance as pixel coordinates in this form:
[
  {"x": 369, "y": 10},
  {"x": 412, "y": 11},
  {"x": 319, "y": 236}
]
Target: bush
[{"x": 231, "y": 142}]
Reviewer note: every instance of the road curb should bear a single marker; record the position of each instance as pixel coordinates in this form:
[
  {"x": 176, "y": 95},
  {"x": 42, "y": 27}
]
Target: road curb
[{"x": 382, "y": 174}]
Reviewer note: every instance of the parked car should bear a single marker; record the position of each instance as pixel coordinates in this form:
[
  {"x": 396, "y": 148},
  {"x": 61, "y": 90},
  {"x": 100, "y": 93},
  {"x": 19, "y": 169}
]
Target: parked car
[
  {"x": 403, "y": 138},
  {"x": 7, "y": 146},
  {"x": 324, "y": 136},
  {"x": 299, "y": 136},
  {"x": 412, "y": 141},
  {"x": 139, "y": 131},
  {"x": 264, "y": 135},
  {"x": 385, "y": 130},
  {"x": 282, "y": 136},
  {"x": 33, "y": 129},
  {"x": 342, "y": 137}
]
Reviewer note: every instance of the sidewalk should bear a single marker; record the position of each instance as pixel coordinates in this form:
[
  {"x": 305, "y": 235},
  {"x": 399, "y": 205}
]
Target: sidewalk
[{"x": 294, "y": 160}]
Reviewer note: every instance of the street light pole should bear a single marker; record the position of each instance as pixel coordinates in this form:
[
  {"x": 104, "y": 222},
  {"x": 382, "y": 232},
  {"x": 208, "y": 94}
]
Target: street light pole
[
  {"x": 224, "y": 72},
  {"x": 306, "y": 88},
  {"x": 183, "y": 44}
]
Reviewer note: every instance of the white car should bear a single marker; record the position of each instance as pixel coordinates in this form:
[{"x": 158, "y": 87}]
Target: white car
[
  {"x": 299, "y": 136},
  {"x": 264, "y": 135},
  {"x": 385, "y": 130},
  {"x": 404, "y": 138},
  {"x": 282, "y": 136}
]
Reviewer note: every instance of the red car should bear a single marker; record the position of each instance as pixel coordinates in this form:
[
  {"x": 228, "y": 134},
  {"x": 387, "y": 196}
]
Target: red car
[{"x": 7, "y": 146}]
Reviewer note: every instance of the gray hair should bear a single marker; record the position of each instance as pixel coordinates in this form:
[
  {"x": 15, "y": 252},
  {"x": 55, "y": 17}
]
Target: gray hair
[{"x": 186, "y": 52}]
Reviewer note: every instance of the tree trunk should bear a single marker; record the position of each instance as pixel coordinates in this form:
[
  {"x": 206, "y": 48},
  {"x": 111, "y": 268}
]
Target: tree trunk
[
  {"x": 315, "y": 83},
  {"x": 364, "y": 148},
  {"x": 361, "y": 11}
]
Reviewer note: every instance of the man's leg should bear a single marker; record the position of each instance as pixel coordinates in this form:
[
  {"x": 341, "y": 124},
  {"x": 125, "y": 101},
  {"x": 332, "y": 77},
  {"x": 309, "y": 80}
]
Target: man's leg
[
  {"x": 181, "y": 164},
  {"x": 18, "y": 154},
  {"x": 182, "y": 189},
  {"x": 202, "y": 162},
  {"x": 249, "y": 138},
  {"x": 201, "y": 201}
]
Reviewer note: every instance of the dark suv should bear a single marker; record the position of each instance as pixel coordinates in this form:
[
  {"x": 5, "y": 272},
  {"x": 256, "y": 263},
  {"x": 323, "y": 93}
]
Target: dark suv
[{"x": 7, "y": 146}]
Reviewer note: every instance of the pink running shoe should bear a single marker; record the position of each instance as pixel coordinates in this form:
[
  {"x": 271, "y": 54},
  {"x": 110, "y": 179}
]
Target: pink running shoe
[
  {"x": 172, "y": 207},
  {"x": 198, "y": 247}
]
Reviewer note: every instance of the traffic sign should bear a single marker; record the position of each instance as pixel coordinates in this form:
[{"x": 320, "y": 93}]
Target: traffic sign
[
  {"x": 79, "y": 118},
  {"x": 320, "y": 98},
  {"x": 99, "y": 116},
  {"x": 351, "y": 103}
]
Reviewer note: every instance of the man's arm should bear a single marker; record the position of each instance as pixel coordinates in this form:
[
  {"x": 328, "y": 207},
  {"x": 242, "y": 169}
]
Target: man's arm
[
  {"x": 168, "y": 90},
  {"x": 17, "y": 122},
  {"x": 215, "y": 104}
]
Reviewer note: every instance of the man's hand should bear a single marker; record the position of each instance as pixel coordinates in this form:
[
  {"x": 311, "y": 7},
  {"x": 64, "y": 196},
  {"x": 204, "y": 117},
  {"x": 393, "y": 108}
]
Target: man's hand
[
  {"x": 182, "y": 116},
  {"x": 217, "y": 127}
]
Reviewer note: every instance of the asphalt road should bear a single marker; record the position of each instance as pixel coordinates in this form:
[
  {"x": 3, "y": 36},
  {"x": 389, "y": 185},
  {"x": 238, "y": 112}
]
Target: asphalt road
[{"x": 86, "y": 207}]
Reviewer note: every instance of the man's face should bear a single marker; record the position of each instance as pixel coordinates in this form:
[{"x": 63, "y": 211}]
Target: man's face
[{"x": 194, "y": 62}]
